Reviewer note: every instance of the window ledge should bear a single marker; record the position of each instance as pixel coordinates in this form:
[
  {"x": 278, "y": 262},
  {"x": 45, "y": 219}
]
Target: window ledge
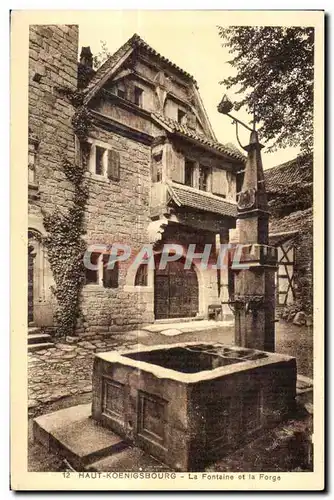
[{"x": 96, "y": 177}]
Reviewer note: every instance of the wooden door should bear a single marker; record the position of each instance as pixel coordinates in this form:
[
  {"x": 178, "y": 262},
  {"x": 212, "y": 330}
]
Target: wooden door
[{"x": 176, "y": 291}]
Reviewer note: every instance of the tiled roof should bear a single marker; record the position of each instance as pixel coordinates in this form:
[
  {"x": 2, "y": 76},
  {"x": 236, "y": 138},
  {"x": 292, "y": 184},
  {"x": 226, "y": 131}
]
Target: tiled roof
[
  {"x": 296, "y": 221},
  {"x": 190, "y": 197},
  {"x": 297, "y": 170},
  {"x": 134, "y": 42},
  {"x": 174, "y": 126}
]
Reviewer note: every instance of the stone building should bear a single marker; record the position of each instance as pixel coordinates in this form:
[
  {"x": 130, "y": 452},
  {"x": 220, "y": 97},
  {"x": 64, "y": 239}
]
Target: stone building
[
  {"x": 156, "y": 174},
  {"x": 290, "y": 194}
]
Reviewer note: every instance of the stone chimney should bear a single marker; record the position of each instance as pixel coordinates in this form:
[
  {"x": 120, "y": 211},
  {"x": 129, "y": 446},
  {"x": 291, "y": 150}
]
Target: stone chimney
[{"x": 86, "y": 57}]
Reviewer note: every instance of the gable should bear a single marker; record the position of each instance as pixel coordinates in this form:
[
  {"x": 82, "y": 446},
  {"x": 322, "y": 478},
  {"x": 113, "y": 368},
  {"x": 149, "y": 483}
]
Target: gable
[{"x": 166, "y": 87}]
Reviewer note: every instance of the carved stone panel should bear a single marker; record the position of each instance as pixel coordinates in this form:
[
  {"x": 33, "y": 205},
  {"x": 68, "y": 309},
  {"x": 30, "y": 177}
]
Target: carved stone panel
[
  {"x": 113, "y": 400},
  {"x": 152, "y": 418}
]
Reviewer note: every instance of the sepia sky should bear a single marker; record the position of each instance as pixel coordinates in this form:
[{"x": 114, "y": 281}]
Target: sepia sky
[{"x": 190, "y": 40}]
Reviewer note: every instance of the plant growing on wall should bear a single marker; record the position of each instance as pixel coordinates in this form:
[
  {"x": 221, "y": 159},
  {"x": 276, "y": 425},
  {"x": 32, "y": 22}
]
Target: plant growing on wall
[{"x": 64, "y": 242}]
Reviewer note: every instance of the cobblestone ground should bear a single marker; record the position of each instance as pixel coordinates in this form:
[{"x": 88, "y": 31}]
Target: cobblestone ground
[{"x": 66, "y": 369}]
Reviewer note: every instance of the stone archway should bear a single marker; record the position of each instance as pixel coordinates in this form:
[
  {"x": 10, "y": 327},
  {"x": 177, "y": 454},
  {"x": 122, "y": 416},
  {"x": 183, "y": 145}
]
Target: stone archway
[
  {"x": 35, "y": 278},
  {"x": 31, "y": 262}
]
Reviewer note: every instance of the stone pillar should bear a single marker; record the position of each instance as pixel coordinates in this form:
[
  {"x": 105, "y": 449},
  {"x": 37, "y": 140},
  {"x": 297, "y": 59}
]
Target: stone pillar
[
  {"x": 254, "y": 279},
  {"x": 224, "y": 291}
]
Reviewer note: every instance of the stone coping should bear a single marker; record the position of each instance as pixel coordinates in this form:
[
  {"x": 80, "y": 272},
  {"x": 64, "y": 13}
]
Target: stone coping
[{"x": 119, "y": 357}]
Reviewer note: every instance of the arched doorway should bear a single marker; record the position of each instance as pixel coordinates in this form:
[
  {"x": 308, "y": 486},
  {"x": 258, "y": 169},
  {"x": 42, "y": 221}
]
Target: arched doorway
[
  {"x": 175, "y": 291},
  {"x": 34, "y": 274},
  {"x": 31, "y": 261}
]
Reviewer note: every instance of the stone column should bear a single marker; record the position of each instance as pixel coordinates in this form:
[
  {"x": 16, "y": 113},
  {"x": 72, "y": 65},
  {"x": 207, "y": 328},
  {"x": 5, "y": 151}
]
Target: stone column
[
  {"x": 255, "y": 271},
  {"x": 224, "y": 291}
]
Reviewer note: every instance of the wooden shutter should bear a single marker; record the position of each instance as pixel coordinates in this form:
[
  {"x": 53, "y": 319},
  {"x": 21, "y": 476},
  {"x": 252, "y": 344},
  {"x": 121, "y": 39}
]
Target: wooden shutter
[
  {"x": 176, "y": 159},
  {"x": 219, "y": 183},
  {"x": 113, "y": 165}
]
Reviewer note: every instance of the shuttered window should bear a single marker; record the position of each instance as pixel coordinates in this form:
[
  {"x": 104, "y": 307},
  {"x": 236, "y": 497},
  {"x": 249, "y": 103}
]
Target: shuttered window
[{"x": 113, "y": 165}]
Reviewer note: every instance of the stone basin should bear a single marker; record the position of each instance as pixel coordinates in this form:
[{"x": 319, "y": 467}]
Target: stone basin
[{"x": 191, "y": 403}]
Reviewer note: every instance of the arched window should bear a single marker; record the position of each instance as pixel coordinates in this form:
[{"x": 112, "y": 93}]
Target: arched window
[{"x": 141, "y": 276}]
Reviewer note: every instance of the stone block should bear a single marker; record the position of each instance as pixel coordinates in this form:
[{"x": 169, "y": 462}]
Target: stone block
[
  {"x": 131, "y": 459},
  {"x": 174, "y": 400},
  {"x": 299, "y": 319},
  {"x": 72, "y": 434}
]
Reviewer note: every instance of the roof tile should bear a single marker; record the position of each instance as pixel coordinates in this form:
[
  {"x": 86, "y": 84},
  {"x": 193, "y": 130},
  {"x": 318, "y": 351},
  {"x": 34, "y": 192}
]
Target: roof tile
[
  {"x": 296, "y": 221},
  {"x": 297, "y": 170},
  {"x": 228, "y": 149},
  {"x": 190, "y": 197},
  {"x": 135, "y": 42}
]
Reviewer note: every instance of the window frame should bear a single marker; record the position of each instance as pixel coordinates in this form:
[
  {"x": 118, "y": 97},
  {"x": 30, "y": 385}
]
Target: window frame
[
  {"x": 206, "y": 184},
  {"x": 103, "y": 159},
  {"x": 138, "y": 92},
  {"x": 193, "y": 166},
  {"x": 100, "y": 273},
  {"x": 181, "y": 114},
  {"x": 91, "y": 160},
  {"x": 157, "y": 166},
  {"x": 141, "y": 274}
]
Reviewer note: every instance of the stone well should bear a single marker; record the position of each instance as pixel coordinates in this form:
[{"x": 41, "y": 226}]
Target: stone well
[{"x": 190, "y": 403}]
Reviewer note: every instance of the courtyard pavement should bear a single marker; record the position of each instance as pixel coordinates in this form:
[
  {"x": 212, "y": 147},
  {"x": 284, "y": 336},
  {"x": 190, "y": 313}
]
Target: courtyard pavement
[{"x": 65, "y": 370}]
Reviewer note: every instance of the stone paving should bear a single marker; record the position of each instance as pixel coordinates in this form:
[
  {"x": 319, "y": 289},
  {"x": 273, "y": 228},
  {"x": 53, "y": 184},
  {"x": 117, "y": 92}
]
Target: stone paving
[{"x": 65, "y": 370}]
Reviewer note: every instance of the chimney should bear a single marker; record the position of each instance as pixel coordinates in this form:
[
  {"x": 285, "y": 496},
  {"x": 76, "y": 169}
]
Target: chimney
[{"x": 86, "y": 57}]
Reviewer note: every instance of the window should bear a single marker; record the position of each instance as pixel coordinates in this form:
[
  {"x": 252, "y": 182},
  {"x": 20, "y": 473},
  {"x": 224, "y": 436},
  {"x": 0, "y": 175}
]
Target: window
[
  {"x": 121, "y": 92},
  {"x": 181, "y": 115},
  {"x": 204, "y": 174},
  {"x": 157, "y": 167},
  {"x": 103, "y": 274},
  {"x": 110, "y": 276},
  {"x": 99, "y": 160},
  {"x": 188, "y": 173},
  {"x": 31, "y": 163},
  {"x": 141, "y": 276},
  {"x": 138, "y": 96},
  {"x": 92, "y": 277}
]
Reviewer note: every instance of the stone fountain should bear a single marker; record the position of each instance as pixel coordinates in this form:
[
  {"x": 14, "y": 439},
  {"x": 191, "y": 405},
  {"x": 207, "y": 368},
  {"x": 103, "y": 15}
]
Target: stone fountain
[{"x": 188, "y": 404}]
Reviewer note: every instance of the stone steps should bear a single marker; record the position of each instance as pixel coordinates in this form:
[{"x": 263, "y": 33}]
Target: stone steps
[
  {"x": 40, "y": 347},
  {"x": 76, "y": 437},
  {"x": 38, "y": 340}
]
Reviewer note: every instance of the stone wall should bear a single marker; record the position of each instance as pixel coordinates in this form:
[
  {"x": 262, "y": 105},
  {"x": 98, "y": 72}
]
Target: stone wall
[
  {"x": 53, "y": 52},
  {"x": 118, "y": 212}
]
